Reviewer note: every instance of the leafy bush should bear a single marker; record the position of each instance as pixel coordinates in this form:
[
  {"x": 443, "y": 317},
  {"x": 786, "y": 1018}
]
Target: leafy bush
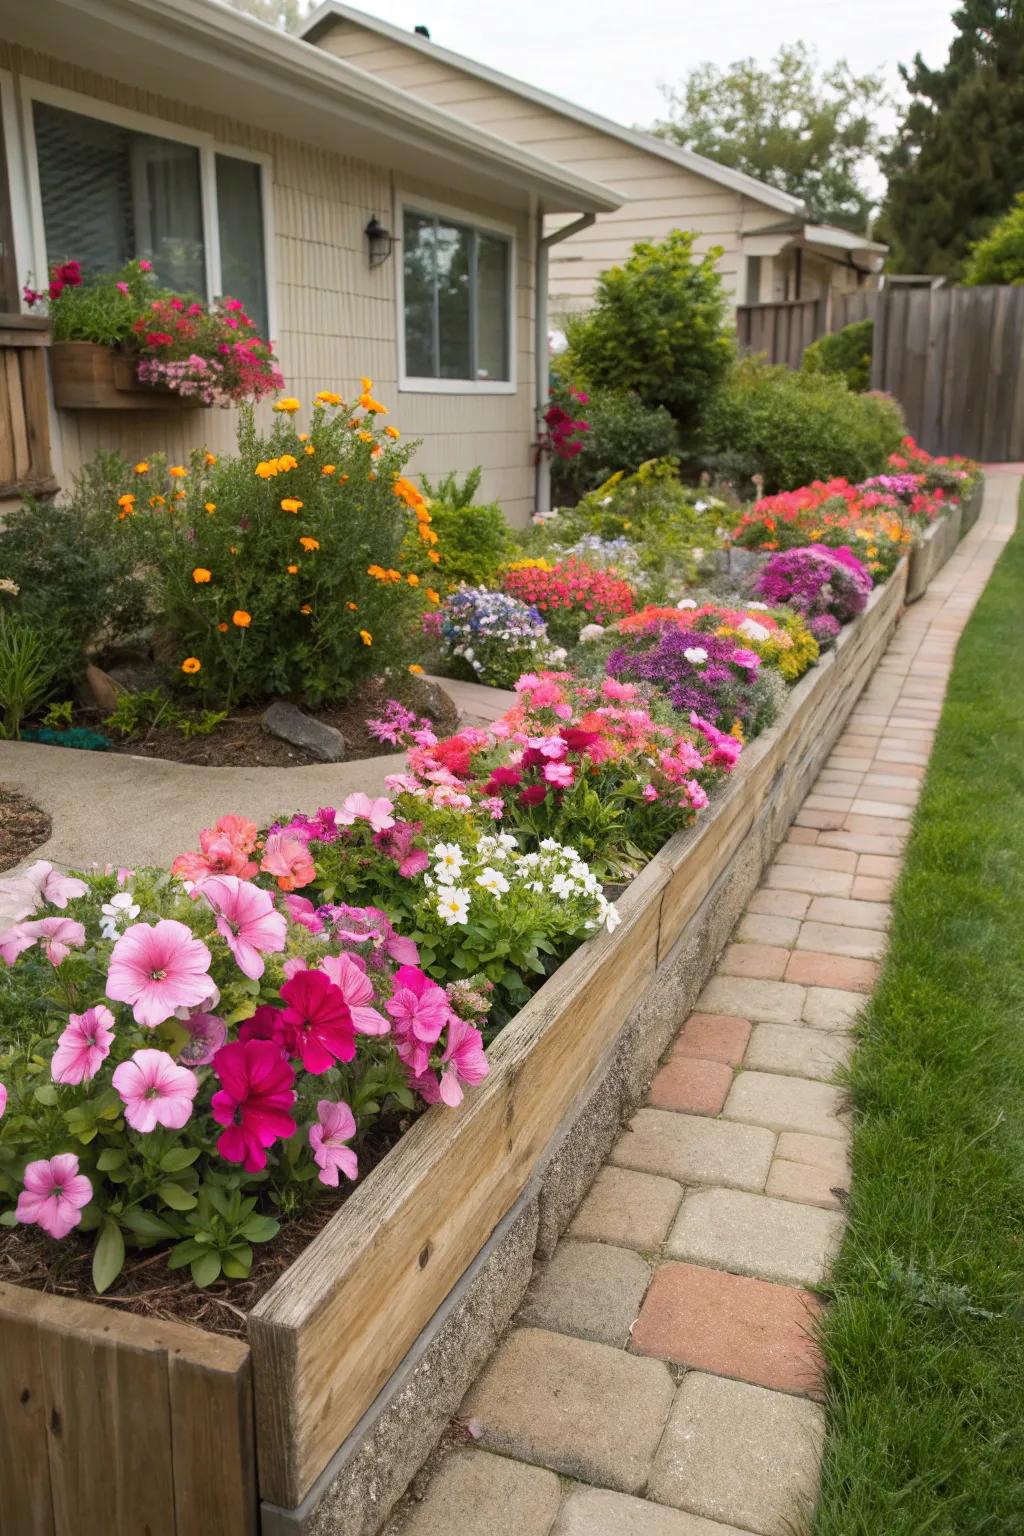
[
  {"x": 793, "y": 428},
  {"x": 475, "y": 542},
  {"x": 26, "y": 671},
  {"x": 624, "y": 433},
  {"x": 846, "y": 352},
  {"x": 300, "y": 565},
  {"x": 657, "y": 327},
  {"x": 999, "y": 257},
  {"x": 74, "y": 569}
]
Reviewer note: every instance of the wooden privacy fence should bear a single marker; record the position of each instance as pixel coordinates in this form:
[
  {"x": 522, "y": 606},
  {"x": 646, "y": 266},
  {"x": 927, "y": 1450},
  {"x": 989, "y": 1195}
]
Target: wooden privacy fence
[
  {"x": 25, "y": 463},
  {"x": 122, "y": 1424},
  {"x": 783, "y": 331},
  {"x": 954, "y": 359}
]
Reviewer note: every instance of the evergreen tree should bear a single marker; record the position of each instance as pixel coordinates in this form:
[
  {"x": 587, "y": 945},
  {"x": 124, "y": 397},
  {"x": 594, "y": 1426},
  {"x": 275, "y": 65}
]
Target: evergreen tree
[{"x": 959, "y": 155}]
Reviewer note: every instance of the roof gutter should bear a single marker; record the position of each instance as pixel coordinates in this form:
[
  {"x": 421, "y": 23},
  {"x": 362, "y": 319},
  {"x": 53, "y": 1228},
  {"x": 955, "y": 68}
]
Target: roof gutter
[{"x": 540, "y": 343}]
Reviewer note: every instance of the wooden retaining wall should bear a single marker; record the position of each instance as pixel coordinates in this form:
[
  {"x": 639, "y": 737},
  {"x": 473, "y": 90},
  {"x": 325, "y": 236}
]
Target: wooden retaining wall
[{"x": 113, "y": 1424}]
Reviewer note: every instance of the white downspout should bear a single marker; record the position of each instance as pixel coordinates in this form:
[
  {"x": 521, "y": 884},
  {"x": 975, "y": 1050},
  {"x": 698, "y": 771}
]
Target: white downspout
[{"x": 540, "y": 343}]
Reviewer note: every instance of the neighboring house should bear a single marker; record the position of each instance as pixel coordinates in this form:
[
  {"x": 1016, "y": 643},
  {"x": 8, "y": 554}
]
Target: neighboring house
[
  {"x": 242, "y": 160},
  {"x": 765, "y": 257}
]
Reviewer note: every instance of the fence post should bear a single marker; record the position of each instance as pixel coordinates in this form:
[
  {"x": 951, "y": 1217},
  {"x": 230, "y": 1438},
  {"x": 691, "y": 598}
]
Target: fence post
[{"x": 878, "y": 340}]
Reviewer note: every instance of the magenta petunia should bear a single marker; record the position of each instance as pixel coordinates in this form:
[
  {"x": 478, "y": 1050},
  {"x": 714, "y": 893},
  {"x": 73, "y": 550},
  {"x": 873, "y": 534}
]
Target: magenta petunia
[
  {"x": 420, "y": 1010},
  {"x": 253, "y": 1102},
  {"x": 348, "y": 974},
  {"x": 158, "y": 968},
  {"x": 463, "y": 1061},
  {"x": 316, "y": 1022}
]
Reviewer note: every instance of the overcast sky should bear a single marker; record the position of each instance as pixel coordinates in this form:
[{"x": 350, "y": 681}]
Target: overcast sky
[{"x": 609, "y": 55}]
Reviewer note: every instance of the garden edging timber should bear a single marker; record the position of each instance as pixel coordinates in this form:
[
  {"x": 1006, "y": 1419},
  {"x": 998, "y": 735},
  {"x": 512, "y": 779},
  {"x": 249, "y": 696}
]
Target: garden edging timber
[{"x": 366, "y": 1345}]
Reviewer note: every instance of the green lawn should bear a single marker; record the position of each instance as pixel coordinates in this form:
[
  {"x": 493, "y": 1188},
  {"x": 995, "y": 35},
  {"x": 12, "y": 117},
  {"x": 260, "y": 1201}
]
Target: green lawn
[{"x": 925, "y": 1341}]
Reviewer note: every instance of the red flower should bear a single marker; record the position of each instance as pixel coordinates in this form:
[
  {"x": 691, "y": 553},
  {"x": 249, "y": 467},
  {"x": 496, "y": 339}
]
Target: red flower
[
  {"x": 316, "y": 1025},
  {"x": 253, "y": 1101},
  {"x": 535, "y": 794},
  {"x": 502, "y": 778},
  {"x": 578, "y": 740}
]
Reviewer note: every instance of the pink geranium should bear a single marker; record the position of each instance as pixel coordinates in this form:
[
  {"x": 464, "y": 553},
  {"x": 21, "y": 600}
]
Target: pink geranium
[
  {"x": 559, "y": 774},
  {"x": 316, "y": 1025},
  {"x": 287, "y": 858},
  {"x": 247, "y": 919},
  {"x": 253, "y": 1101},
  {"x": 157, "y": 968},
  {"x": 348, "y": 973},
  {"x": 155, "y": 1091},
  {"x": 83, "y": 1046},
  {"x": 328, "y": 1134},
  {"x": 59, "y": 935},
  {"x": 378, "y": 812},
  {"x": 54, "y": 1194},
  {"x": 420, "y": 1010},
  {"x": 463, "y": 1062}
]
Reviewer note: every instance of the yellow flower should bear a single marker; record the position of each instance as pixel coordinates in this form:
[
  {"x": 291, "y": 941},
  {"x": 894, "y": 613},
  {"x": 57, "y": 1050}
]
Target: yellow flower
[
  {"x": 377, "y": 572},
  {"x": 287, "y": 405},
  {"x": 200, "y": 575},
  {"x": 178, "y": 471},
  {"x": 308, "y": 543},
  {"x": 366, "y": 437},
  {"x": 287, "y": 462},
  {"x": 393, "y": 575},
  {"x": 367, "y": 401},
  {"x": 413, "y": 579},
  {"x": 292, "y": 570},
  {"x": 393, "y": 433},
  {"x": 209, "y": 458},
  {"x": 142, "y": 468},
  {"x": 328, "y": 469},
  {"x": 327, "y": 397},
  {"x": 179, "y": 495},
  {"x": 310, "y": 449},
  {"x": 415, "y": 668},
  {"x": 241, "y": 618},
  {"x": 233, "y": 549},
  {"x": 366, "y": 637},
  {"x": 290, "y": 504},
  {"x": 191, "y": 665},
  {"x": 306, "y": 608},
  {"x": 434, "y": 597}
]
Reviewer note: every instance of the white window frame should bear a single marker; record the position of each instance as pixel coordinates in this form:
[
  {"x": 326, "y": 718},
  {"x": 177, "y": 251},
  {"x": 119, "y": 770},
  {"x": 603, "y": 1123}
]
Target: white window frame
[
  {"x": 429, "y": 207},
  {"x": 209, "y": 147}
]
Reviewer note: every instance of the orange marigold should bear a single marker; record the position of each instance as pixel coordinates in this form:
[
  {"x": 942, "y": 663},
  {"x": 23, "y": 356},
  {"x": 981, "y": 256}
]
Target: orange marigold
[
  {"x": 308, "y": 543},
  {"x": 241, "y": 618},
  {"x": 366, "y": 637},
  {"x": 200, "y": 575},
  {"x": 291, "y": 504},
  {"x": 178, "y": 471},
  {"x": 191, "y": 665},
  {"x": 142, "y": 467},
  {"x": 287, "y": 405}
]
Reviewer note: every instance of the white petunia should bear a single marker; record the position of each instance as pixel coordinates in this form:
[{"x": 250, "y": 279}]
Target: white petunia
[
  {"x": 696, "y": 655},
  {"x": 120, "y": 909},
  {"x": 450, "y": 858},
  {"x": 453, "y": 905},
  {"x": 686, "y": 602},
  {"x": 492, "y": 880}
]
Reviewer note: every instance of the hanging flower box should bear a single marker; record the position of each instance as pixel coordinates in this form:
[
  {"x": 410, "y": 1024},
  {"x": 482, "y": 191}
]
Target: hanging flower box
[{"x": 90, "y": 377}]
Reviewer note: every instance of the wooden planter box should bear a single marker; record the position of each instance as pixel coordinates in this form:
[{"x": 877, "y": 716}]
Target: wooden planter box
[
  {"x": 90, "y": 377},
  {"x": 100, "y": 1408}
]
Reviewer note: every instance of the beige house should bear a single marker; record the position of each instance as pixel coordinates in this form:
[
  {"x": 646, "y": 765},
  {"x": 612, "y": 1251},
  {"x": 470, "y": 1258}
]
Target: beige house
[
  {"x": 242, "y": 160},
  {"x": 770, "y": 249}
]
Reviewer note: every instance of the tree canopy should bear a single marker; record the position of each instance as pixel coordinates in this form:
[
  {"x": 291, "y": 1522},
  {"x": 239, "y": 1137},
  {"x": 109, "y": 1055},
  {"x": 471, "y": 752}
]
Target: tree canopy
[
  {"x": 999, "y": 258},
  {"x": 958, "y": 158},
  {"x": 812, "y": 133}
]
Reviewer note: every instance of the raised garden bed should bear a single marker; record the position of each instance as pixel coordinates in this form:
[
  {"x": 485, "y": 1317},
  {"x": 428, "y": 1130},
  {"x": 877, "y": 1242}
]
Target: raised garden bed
[
  {"x": 930, "y": 553},
  {"x": 366, "y": 1343},
  {"x": 90, "y": 377}
]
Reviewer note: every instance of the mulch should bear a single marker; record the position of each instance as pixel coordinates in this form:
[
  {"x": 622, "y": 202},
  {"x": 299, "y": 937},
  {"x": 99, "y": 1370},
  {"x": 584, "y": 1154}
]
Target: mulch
[{"x": 23, "y": 826}]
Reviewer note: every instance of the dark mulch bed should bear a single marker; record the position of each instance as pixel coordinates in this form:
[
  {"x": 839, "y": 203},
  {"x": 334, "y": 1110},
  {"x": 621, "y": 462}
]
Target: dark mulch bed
[{"x": 23, "y": 826}]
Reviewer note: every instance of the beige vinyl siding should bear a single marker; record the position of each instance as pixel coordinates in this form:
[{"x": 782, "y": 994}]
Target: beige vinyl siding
[
  {"x": 660, "y": 196},
  {"x": 336, "y": 319}
]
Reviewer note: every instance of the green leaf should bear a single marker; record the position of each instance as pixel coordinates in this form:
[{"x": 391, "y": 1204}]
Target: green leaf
[
  {"x": 107, "y": 1256},
  {"x": 110, "y": 1158},
  {"x": 185, "y": 1253},
  {"x": 45, "y": 1094},
  {"x": 178, "y": 1158},
  {"x": 205, "y": 1270},
  {"x": 177, "y": 1198},
  {"x": 146, "y": 1225},
  {"x": 260, "y": 1229}
]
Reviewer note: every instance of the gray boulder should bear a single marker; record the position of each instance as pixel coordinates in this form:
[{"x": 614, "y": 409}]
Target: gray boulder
[{"x": 291, "y": 724}]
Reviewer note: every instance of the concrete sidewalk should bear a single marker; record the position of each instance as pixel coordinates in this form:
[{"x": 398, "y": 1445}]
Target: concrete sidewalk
[{"x": 662, "y": 1377}]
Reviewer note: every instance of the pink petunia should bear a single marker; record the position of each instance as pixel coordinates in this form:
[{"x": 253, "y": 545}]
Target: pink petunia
[
  {"x": 54, "y": 1194},
  {"x": 247, "y": 920},
  {"x": 328, "y": 1134},
  {"x": 302, "y": 911},
  {"x": 83, "y": 1046},
  {"x": 253, "y": 1102},
  {"x": 55, "y": 888},
  {"x": 155, "y": 1090},
  {"x": 378, "y": 812},
  {"x": 349, "y": 975},
  {"x": 59, "y": 935},
  {"x": 316, "y": 1023},
  {"x": 206, "y": 1035},
  {"x": 157, "y": 968},
  {"x": 420, "y": 1010},
  {"x": 286, "y": 857},
  {"x": 463, "y": 1062}
]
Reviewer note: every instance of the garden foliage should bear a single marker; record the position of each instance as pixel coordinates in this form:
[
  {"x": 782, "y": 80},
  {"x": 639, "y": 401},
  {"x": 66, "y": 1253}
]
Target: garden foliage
[{"x": 846, "y": 352}]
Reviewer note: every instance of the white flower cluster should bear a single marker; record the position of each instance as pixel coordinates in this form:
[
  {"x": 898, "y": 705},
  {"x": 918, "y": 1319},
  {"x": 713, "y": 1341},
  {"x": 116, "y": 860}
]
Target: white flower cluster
[
  {"x": 10, "y": 587},
  {"x": 496, "y": 864}
]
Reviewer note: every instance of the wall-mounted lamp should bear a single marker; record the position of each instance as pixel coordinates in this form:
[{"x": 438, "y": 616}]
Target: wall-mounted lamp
[{"x": 380, "y": 242}]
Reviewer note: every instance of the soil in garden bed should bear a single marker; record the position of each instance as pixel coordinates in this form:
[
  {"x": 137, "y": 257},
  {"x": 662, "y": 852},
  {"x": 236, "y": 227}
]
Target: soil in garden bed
[
  {"x": 23, "y": 826},
  {"x": 147, "y": 1287}
]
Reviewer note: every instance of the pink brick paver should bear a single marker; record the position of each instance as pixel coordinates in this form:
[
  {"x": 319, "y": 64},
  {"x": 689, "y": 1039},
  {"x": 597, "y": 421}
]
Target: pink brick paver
[{"x": 684, "y": 1395}]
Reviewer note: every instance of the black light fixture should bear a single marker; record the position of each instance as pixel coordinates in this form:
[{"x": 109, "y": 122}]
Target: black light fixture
[{"x": 380, "y": 242}]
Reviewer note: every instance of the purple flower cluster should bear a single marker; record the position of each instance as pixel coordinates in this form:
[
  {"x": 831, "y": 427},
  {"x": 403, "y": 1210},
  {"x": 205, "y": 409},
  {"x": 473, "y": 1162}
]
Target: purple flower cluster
[
  {"x": 904, "y": 486},
  {"x": 817, "y": 583},
  {"x": 708, "y": 674}
]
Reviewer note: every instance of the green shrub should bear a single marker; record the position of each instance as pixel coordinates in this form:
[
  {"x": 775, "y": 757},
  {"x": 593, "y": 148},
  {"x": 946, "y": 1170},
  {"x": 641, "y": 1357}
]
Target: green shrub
[
  {"x": 26, "y": 671},
  {"x": 299, "y": 565},
  {"x": 792, "y": 428},
  {"x": 846, "y": 352},
  {"x": 999, "y": 258},
  {"x": 624, "y": 433},
  {"x": 475, "y": 542},
  {"x": 657, "y": 327},
  {"x": 74, "y": 568}
]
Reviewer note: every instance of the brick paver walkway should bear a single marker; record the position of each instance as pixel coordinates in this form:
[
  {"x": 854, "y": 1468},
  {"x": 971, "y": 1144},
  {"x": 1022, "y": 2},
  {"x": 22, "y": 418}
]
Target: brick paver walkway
[{"x": 664, "y": 1363}]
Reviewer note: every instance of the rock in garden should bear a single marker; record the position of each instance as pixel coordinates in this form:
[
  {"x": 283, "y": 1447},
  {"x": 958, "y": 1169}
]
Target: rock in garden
[
  {"x": 313, "y": 736},
  {"x": 101, "y": 688}
]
